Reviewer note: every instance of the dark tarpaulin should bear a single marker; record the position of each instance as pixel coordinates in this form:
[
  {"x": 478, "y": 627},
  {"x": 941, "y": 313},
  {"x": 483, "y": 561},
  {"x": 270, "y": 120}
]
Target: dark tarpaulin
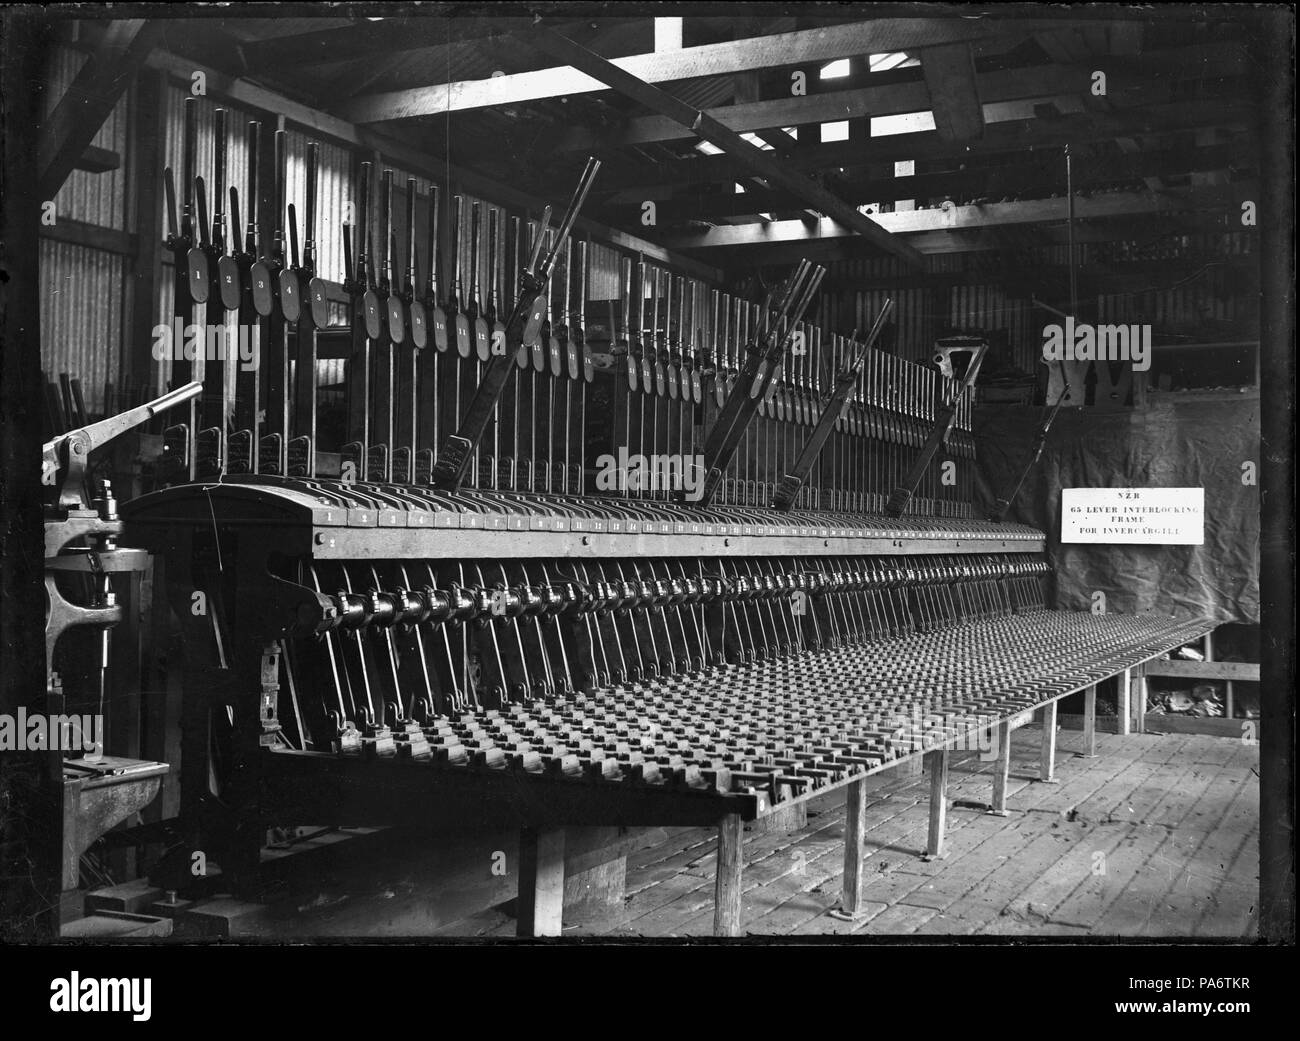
[{"x": 1176, "y": 444}]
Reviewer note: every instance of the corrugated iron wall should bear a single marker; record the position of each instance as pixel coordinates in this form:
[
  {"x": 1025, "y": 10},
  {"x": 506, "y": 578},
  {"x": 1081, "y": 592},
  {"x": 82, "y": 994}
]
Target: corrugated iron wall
[
  {"x": 92, "y": 198},
  {"x": 81, "y": 286},
  {"x": 988, "y": 308},
  {"x": 81, "y": 317},
  {"x": 1193, "y": 307}
]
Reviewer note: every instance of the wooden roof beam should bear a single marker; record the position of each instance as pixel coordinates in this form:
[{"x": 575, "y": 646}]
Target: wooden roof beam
[
  {"x": 1042, "y": 169},
  {"x": 718, "y": 59},
  {"x": 1013, "y": 136},
  {"x": 957, "y": 219},
  {"x": 366, "y": 38},
  {"x": 954, "y": 92},
  {"x": 90, "y": 97},
  {"x": 1039, "y": 81},
  {"x": 772, "y": 170},
  {"x": 1002, "y": 248}
]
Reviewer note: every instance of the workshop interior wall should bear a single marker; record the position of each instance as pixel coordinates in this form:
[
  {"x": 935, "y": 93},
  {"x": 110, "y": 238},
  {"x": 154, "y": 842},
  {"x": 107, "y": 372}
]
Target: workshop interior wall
[{"x": 1187, "y": 443}]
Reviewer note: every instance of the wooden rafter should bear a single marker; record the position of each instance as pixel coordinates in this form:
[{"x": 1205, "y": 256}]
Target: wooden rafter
[
  {"x": 1152, "y": 75},
  {"x": 89, "y": 99},
  {"x": 972, "y": 218},
  {"x": 1018, "y": 136},
  {"x": 954, "y": 92},
  {"x": 1042, "y": 170},
  {"x": 366, "y": 38},
  {"x": 718, "y": 59},
  {"x": 759, "y": 162}
]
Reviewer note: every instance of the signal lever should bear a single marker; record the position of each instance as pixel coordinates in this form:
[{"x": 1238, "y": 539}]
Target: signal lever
[{"x": 522, "y": 328}]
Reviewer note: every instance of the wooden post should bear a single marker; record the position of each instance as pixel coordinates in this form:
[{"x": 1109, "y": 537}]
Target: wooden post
[
  {"x": 1047, "y": 754},
  {"x": 1122, "y": 709},
  {"x": 938, "y": 762},
  {"x": 855, "y": 827},
  {"x": 1089, "y": 723},
  {"x": 541, "y": 882},
  {"x": 1140, "y": 699},
  {"x": 726, "y": 886},
  {"x": 1209, "y": 656},
  {"x": 1002, "y": 769},
  {"x": 142, "y": 308}
]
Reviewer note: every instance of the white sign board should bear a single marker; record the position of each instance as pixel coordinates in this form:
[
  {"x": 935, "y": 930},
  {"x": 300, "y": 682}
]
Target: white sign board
[{"x": 1134, "y": 516}]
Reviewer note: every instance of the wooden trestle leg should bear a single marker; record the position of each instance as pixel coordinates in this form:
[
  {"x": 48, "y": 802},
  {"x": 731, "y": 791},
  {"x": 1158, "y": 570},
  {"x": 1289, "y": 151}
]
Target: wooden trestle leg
[
  {"x": 1047, "y": 753},
  {"x": 1001, "y": 771},
  {"x": 541, "y": 883},
  {"x": 938, "y": 763},
  {"x": 1089, "y": 723},
  {"x": 726, "y": 886},
  {"x": 855, "y": 828},
  {"x": 1139, "y": 706},
  {"x": 1125, "y": 686}
]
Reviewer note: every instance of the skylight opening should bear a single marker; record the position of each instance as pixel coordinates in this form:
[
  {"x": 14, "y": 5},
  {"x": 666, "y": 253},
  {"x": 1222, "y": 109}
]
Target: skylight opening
[
  {"x": 903, "y": 123},
  {"x": 837, "y": 131},
  {"x": 835, "y": 70},
  {"x": 892, "y": 60},
  {"x": 707, "y": 148}
]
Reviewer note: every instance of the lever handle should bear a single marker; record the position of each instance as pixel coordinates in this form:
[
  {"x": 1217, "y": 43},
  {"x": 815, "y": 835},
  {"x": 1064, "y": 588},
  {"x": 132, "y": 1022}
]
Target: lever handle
[
  {"x": 293, "y": 236},
  {"x": 169, "y": 188},
  {"x": 203, "y": 210},
  {"x": 309, "y": 228},
  {"x": 234, "y": 218}
]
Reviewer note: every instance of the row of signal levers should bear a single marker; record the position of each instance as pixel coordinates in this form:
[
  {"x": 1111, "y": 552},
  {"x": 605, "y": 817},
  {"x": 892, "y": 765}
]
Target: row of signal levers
[{"x": 668, "y": 355}]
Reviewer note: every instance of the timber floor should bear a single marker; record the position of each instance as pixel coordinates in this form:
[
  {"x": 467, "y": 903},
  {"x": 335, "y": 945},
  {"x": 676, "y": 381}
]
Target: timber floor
[{"x": 1156, "y": 837}]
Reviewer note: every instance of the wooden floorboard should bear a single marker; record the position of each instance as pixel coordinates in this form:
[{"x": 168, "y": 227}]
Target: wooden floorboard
[{"x": 1156, "y": 837}]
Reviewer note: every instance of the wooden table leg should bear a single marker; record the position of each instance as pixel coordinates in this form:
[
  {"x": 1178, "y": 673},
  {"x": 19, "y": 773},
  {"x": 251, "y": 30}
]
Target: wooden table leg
[
  {"x": 1209, "y": 656},
  {"x": 726, "y": 885},
  {"x": 1140, "y": 699},
  {"x": 1122, "y": 709},
  {"x": 1001, "y": 771},
  {"x": 855, "y": 828},
  {"x": 938, "y": 762},
  {"x": 1047, "y": 753},
  {"x": 541, "y": 882},
  {"x": 1089, "y": 723}
]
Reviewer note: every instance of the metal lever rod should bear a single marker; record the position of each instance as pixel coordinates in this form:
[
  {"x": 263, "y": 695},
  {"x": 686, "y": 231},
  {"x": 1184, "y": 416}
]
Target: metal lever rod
[
  {"x": 741, "y": 407},
  {"x": 902, "y": 495},
  {"x": 521, "y": 328},
  {"x": 788, "y": 490},
  {"x": 69, "y": 452},
  {"x": 1002, "y": 504}
]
